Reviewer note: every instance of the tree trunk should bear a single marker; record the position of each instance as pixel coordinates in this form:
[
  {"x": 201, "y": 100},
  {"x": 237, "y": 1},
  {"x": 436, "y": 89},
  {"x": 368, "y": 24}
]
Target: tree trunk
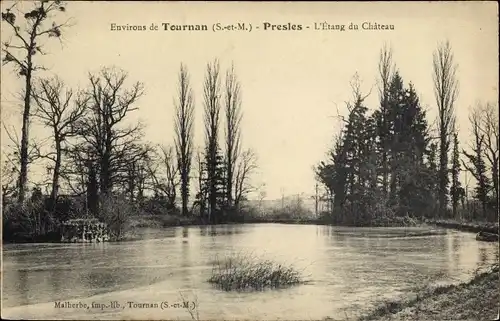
[
  {"x": 443, "y": 175},
  {"x": 23, "y": 176},
  {"x": 56, "y": 174},
  {"x": 184, "y": 192}
]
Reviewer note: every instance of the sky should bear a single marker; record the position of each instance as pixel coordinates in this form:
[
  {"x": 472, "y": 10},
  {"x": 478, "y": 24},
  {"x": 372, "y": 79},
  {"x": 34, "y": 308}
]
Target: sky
[{"x": 293, "y": 83}]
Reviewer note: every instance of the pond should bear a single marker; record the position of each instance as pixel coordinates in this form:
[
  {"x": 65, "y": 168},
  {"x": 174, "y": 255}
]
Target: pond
[{"x": 348, "y": 271}]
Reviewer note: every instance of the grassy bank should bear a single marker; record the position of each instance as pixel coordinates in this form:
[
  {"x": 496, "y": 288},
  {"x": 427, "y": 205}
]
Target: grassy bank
[
  {"x": 404, "y": 221},
  {"x": 466, "y": 226},
  {"x": 477, "y": 299},
  {"x": 164, "y": 220}
]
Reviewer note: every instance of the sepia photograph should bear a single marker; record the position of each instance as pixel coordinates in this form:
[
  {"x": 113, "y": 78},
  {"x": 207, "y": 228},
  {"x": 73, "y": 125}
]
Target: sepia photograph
[{"x": 175, "y": 160}]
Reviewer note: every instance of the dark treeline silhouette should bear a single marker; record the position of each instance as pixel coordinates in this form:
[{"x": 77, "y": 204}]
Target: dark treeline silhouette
[{"x": 385, "y": 167}]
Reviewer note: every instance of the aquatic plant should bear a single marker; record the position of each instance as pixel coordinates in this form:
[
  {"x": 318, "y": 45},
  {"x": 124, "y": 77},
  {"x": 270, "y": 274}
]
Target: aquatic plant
[{"x": 248, "y": 272}]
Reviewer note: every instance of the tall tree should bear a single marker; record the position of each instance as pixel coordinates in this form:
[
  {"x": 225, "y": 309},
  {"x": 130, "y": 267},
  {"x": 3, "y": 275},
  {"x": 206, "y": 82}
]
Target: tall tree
[
  {"x": 184, "y": 118},
  {"x": 490, "y": 130},
  {"x": 245, "y": 167},
  {"x": 351, "y": 172},
  {"x": 232, "y": 131},
  {"x": 110, "y": 144},
  {"x": 202, "y": 193},
  {"x": 20, "y": 50},
  {"x": 386, "y": 70},
  {"x": 211, "y": 94},
  {"x": 446, "y": 88},
  {"x": 59, "y": 110},
  {"x": 476, "y": 164},
  {"x": 456, "y": 190}
]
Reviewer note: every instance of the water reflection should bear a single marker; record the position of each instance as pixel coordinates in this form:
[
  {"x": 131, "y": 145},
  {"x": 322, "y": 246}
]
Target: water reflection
[{"x": 349, "y": 269}]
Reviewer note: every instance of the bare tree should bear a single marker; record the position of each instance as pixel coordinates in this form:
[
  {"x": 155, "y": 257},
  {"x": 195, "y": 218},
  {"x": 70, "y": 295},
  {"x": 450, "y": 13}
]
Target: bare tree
[
  {"x": 9, "y": 179},
  {"x": 137, "y": 175},
  {"x": 20, "y": 50},
  {"x": 476, "y": 164},
  {"x": 110, "y": 144},
  {"x": 184, "y": 118},
  {"x": 211, "y": 91},
  {"x": 245, "y": 168},
  {"x": 165, "y": 174},
  {"x": 490, "y": 130},
  {"x": 79, "y": 167},
  {"x": 232, "y": 131},
  {"x": 385, "y": 69},
  {"x": 446, "y": 88},
  {"x": 12, "y": 155},
  {"x": 53, "y": 101}
]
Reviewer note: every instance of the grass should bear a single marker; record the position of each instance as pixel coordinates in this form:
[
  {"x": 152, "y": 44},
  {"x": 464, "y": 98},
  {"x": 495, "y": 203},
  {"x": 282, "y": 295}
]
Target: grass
[
  {"x": 474, "y": 300},
  {"x": 463, "y": 225},
  {"x": 158, "y": 221},
  {"x": 247, "y": 272}
]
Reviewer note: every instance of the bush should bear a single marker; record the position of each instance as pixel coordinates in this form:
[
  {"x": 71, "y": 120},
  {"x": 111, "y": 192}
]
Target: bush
[
  {"x": 246, "y": 272},
  {"x": 27, "y": 222},
  {"x": 116, "y": 211}
]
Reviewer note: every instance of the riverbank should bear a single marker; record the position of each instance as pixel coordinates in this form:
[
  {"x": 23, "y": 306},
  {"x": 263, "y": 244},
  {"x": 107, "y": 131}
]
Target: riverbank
[
  {"x": 156, "y": 221},
  {"x": 167, "y": 220},
  {"x": 465, "y": 226},
  {"x": 477, "y": 299}
]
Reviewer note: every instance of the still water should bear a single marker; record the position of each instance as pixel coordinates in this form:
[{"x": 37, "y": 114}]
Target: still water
[{"x": 348, "y": 270}]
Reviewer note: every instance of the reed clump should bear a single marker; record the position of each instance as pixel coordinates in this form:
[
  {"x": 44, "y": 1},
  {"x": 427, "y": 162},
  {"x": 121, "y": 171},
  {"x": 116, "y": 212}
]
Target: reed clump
[{"x": 248, "y": 272}]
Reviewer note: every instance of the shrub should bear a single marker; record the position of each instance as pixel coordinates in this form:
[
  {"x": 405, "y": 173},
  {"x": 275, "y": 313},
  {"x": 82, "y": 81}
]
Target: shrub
[
  {"x": 26, "y": 222},
  {"x": 247, "y": 272},
  {"x": 116, "y": 211}
]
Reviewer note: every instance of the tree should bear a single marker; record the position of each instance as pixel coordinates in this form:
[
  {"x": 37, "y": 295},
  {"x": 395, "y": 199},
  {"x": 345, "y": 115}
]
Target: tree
[
  {"x": 476, "y": 164},
  {"x": 184, "y": 118},
  {"x": 351, "y": 172},
  {"x": 211, "y": 91},
  {"x": 490, "y": 129},
  {"x": 92, "y": 189},
  {"x": 386, "y": 70},
  {"x": 232, "y": 131},
  {"x": 12, "y": 157},
  {"x": 54, "y": 110},
  {"x": 9, "y": 183},
  {"x": 456, "y": 190},
  {"x": 202, "y": 192},
  {"x": 432, "y": 173},
  {"x": 105, "y": 141},
  {"x": 138, "y": 176},
  {"x": 245, "y": 167},
  {"x": 20, "y": 50},
  {"x": 445, "y": 91},
  {"x": 165, "y": 177}
]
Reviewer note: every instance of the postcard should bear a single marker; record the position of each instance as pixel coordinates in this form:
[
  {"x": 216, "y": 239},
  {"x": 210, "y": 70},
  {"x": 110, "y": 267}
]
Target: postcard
[{"x": 167, "y": 160}]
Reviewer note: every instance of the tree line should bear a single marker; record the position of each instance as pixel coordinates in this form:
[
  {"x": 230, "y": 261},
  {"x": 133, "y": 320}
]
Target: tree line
[
  {"x": 96, "y": 152},
  {"x": 392, "y": 163}
]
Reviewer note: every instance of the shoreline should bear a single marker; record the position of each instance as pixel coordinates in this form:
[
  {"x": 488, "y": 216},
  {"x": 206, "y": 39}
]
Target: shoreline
[
  {"x": 473, "y": 227},
  {"x": 160, "y": 222},
  {"x": 477, "y": 299}
]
